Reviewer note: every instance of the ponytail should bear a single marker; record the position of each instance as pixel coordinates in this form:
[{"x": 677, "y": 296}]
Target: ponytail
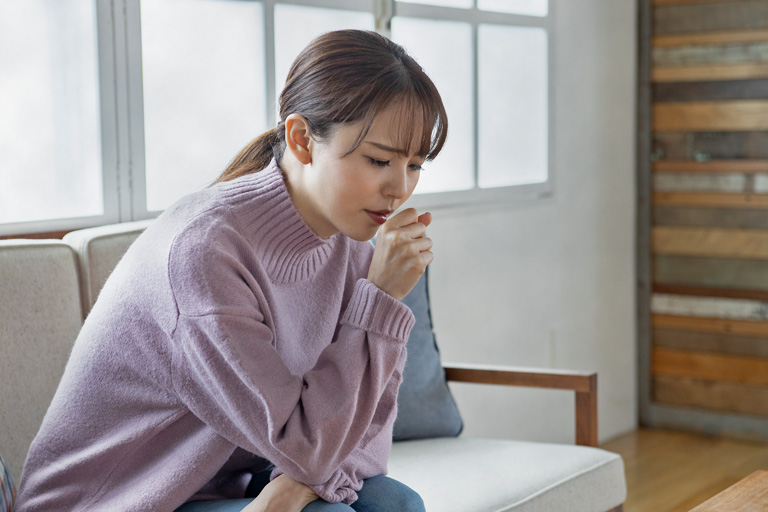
[{"x": 256, "y": 155}]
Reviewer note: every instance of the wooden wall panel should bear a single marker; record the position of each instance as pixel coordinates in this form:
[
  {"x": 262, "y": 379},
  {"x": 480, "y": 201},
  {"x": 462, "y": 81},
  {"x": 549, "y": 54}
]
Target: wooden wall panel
[
  {"x": 705, "y": 199},
  {"x": 748, "y": 328},
  {"x": 683, "y": 2},
  {"x": 721, "y": 396},
  {"x": 697, "y": 17},
  {"x": 726, "y": 183},
  {"x": 724, "y": 273},
  {"x": 709, "y": 206},
  {"x": 710, "y": 242},
  {"x": 713, "y": 342},
  {"x": 730, "y": 37},
  {"x": 755, "y": 53},
  {"x": 743, "y": 166},
  {"x": 704, "y": 116},
  {"x": 709, "y": 217},
  {"x": 710, "y": 91},
  {"x": 709, "y": 72},
  {"x": 713, "y": 367},
  {"x": 750, "y": 145}
]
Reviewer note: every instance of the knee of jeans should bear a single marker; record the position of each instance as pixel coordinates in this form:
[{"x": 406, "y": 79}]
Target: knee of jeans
[{"x": 410, "y": 501}]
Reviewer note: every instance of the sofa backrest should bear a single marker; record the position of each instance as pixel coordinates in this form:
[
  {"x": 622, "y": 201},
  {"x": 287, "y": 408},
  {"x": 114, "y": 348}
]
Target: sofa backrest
[
  {"x": 40, "y": 316},
  {"x": 99, "y": 250},
  {"x": 48, "y": 287}
]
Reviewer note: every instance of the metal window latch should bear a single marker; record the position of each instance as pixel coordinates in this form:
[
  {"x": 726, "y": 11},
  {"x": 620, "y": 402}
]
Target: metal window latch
[{"x": 384, "y": 11}]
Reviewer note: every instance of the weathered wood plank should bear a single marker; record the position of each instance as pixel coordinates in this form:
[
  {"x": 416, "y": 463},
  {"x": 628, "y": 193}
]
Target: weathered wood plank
[
  {"x": 751, "y": 145},
  {"x": 709, "y": 73},
  {"x": 710, "y": 91},
  {"x": 709, "y": 307},
  {"x": 719, "y": 396},
  {"x": 710, "y": 291},
  {"x": 710, "y": 242},
  {"x": 712, "y": 166},
  {"x": 749, "y": 328},
  {"x": 717, "y": 272},
  {"x": 681, "y": 2},
  {"x": 707, "y": 116},
  {"x": 711, "y": 342},
  {"x": 711, "y": 200},
  {"x": 686, "y": 182},
  {"x": 717, "y": 367},
  {"x": 693, "y": 18},
  {"x": 712, "y": 38},
  {"x": 674, "y": 56},
  {"x": 709, "y": 217}
]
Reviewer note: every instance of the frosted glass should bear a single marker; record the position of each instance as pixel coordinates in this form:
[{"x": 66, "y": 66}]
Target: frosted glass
[
  {"x": 49, "y": 111},
  {"x": 204, "y": 90},
  {"x": 444, "y": 50},
  {"x": 527, "y": 7},
  {"x": 297, "y": 26},
  {"x": 512, "y": 87},
  {"x": 462, "y": 4}
]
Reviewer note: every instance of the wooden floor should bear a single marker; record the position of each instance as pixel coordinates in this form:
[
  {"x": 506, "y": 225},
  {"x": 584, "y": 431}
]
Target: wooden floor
[{"x": 674, "y": 472}]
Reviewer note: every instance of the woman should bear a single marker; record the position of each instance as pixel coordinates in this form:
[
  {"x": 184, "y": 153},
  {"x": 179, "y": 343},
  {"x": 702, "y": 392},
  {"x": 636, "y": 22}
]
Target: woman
[{"x": 252, "y": 333}]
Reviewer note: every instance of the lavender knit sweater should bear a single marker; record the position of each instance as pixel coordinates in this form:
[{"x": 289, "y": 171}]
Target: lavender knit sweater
[{"x": 228, "y": 336}]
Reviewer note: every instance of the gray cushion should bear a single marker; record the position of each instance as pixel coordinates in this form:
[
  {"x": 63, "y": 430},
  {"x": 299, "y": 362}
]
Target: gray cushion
[
  {"x": 425, "y": 405},
  {"x": 491, "y": 475}
]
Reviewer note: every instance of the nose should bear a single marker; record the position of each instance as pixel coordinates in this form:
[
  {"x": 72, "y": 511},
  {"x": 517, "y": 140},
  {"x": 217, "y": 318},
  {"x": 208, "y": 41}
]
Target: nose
[{"x": 396, "y": 185}]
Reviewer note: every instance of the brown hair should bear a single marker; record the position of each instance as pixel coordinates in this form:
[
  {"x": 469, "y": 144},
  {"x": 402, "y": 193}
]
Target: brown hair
[{"x": 350, "y": 76}]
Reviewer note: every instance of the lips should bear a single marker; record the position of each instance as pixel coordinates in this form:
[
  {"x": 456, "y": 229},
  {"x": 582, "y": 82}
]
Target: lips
[{"x": 379, "y": 217}]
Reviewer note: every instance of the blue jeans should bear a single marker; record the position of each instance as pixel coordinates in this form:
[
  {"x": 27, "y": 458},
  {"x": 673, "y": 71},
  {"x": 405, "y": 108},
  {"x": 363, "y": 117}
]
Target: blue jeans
[{"x": 379, "y": 494}]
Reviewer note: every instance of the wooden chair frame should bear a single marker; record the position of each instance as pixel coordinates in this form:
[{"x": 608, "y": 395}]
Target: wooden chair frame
[{"x": 584, "y": 384}]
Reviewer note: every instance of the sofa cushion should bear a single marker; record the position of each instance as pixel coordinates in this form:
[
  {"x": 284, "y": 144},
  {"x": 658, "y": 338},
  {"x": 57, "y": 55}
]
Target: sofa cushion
[
  {"x": 7, "y": 488},
  {"x": 488, "y": 475},
  {"x": 425, "y": 405},
  {"x": 40, "y": 317},
  {"x": 99, "y": 250}
]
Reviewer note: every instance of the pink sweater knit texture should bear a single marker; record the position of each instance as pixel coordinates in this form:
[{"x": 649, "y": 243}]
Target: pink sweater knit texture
[{"x": 228, "y": 335}]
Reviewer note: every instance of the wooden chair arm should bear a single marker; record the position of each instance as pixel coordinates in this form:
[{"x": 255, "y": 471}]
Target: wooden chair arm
[{"x": 582, "y": 383}]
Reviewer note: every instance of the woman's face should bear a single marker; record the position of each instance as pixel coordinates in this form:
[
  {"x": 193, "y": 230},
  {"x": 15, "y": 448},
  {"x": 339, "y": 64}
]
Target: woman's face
[{"x": 355, "y": 193}]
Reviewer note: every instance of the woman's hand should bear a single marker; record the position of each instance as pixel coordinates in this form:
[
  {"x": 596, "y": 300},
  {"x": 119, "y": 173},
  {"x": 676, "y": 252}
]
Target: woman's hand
[
  {"x": 283, "y": 494},
  {"x": 402, "y": 253}
]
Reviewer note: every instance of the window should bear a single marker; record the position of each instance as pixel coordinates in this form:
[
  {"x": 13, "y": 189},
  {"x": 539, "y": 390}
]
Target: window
[
  {"x": 50, "y": 138},
  {"x": 117, "y": 108}
]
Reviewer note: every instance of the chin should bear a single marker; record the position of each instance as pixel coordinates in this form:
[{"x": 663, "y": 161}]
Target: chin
[{"x": 362, "y": 235}]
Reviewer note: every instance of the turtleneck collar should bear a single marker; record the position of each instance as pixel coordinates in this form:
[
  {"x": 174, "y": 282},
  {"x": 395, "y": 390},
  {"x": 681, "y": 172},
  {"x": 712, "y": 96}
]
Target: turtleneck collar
[{"x": 262, "y": 206}]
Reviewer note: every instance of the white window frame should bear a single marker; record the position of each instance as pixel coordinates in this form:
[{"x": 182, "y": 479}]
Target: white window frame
[
  {"x": 475, "y": 17},
  {"x": 122, "y": 109}
]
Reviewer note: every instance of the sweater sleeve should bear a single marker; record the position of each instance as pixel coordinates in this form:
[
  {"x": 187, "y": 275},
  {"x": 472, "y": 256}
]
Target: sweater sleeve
[
  {"x": 228, "y": 373},
  {"x": 370, "y": 457}
]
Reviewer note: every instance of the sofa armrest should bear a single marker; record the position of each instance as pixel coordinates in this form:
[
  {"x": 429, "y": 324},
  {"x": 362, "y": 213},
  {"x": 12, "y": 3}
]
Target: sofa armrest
[{"x": 582, "y": 383}]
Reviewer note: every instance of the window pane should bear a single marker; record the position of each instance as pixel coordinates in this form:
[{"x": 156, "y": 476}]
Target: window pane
[
  {"x": 512, "y": 82},
  {"x": 444, "y": 50},
  {"x": 49, "y": 127},
  {"x": 296, "y": 27},
  {"x": 204, "y": 90},
  {"x": 529, "y": 7},
  {"x": 462, "y": 4}
]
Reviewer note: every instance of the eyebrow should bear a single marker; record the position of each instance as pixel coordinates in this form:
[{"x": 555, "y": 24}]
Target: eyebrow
[{"x": 387, "y": 148}]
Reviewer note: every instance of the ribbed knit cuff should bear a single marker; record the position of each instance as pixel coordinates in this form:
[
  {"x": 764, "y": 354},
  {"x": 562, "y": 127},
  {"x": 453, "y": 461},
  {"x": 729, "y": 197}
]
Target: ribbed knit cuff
[{"x": 375, "y": 311}]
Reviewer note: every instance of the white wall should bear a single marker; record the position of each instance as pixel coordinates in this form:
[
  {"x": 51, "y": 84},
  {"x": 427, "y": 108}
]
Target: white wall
[{"x": 550, "y": 283}]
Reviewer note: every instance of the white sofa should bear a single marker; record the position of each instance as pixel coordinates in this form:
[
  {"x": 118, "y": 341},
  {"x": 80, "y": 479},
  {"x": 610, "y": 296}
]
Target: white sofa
[{"x": 48, "y": 287}]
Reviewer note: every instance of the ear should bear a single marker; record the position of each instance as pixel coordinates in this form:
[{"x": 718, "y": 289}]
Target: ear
[{"x": 298, "y": 138}]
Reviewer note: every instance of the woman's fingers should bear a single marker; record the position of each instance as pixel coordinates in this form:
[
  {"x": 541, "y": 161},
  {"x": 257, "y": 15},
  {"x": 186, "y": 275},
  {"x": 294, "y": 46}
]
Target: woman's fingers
[{"x": 402, "y": 253}]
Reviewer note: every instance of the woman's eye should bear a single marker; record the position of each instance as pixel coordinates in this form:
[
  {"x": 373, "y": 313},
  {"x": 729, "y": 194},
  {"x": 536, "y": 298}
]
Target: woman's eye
[
  {"x": 416, "y": 167},
  {"x": 378, "y": 163}
]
